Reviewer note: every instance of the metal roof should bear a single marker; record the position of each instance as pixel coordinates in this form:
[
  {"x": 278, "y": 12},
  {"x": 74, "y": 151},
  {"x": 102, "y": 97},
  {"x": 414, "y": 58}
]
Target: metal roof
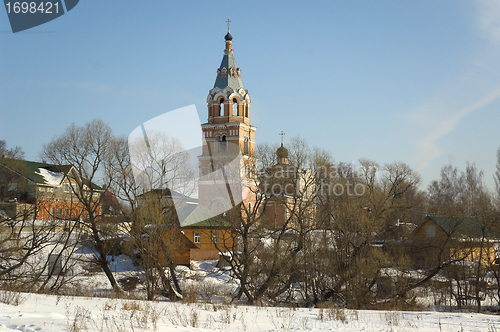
[{"x": 470, "y": 227}]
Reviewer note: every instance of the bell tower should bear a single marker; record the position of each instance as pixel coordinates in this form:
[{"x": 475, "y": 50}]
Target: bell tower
[{"x": 228, "y": 126}]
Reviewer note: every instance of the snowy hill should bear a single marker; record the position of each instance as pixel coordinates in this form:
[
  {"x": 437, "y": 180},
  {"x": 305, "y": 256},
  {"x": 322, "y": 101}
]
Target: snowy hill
[{"x": 52, "y": 313}]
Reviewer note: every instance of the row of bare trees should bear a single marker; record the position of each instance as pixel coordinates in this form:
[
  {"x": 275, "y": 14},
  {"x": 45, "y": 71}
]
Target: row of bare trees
[
  {"x": 348, "y": 227},
  {"x": 26, "y": 243},
  {"x": 323, "y": 249},
  {"x": 337, "y": 237},
  {"x": 145, "y": 218},
  {"x": 98, "y": 157}
]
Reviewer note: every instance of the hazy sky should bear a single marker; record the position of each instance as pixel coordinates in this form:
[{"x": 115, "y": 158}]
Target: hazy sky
[{"x": 412, "y": 81}]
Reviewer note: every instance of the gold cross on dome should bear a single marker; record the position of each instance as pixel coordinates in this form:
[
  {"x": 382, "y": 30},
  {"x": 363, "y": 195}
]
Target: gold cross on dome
[
  {"x": 228, "y": 21},
  {"x": 282, "y": 134}
]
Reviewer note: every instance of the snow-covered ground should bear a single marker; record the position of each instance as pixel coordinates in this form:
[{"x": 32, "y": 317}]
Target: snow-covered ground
[
  {"x": 58, "y": 313},
  {"x": 36, "y": 312}
]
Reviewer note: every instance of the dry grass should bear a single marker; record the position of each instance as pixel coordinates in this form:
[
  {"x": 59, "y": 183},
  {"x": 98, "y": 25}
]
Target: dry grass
[
  {"x": 206, "y": 291},
  {"x": 132, "y": 306},
  {"x": 329, "y": 312},
  {"x": 11, "y": 297},
  {"x": 392, "y": 318},
  {"x": 132, "y": 315}
]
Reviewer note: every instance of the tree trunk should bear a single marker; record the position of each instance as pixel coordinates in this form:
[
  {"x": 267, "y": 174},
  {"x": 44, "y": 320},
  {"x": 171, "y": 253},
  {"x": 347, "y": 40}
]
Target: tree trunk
[{"x": 103, "y": 262}]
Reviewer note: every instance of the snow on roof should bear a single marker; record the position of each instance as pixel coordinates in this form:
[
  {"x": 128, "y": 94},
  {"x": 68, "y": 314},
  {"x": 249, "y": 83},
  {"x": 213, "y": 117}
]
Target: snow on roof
[
  {"x": 3, "y": 214},
  {"x": 52, "y": 178}
]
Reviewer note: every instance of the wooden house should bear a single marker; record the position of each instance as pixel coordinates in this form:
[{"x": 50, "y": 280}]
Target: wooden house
[
  {"x": 179, "y": 247},
  {"x": 211, "y": 236},
  {"x": 442, "y": 238}
]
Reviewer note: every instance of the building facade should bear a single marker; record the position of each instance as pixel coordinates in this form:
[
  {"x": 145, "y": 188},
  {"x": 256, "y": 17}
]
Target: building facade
[{"x": 41, "y": 191}]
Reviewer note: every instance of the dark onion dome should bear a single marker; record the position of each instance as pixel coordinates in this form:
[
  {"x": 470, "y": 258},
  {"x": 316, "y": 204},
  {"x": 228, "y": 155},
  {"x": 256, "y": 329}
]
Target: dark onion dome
[
  {"x": 228, "y": 37},
  {"x": 282, "y": 152}
]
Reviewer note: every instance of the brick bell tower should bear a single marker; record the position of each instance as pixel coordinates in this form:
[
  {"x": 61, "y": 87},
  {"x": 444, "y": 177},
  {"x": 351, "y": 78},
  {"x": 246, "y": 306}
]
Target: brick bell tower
[{"x": 228, "y": 129}]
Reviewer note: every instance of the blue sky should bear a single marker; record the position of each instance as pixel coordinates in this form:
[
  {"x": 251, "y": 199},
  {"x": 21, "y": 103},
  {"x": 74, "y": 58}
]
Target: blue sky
[{"x": 411, "y": 81}]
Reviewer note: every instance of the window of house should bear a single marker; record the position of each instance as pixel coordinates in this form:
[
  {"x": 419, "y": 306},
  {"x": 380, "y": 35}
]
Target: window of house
[
  {"x": 66, "y": 188},
  {"x": 41, "y": 188},
  {"x": 52, "y": 213},
  {"x": 215, "y": 237},
  {"x": 59, "y": 213},
  {"x": 197, "y": 237},
  {"x": 66, "y": 214},
  {"x": 430, "y": 231}
]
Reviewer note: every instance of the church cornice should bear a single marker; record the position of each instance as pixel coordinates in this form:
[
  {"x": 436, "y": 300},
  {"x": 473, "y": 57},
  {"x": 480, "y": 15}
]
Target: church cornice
[{"x": 227, "y": 125}]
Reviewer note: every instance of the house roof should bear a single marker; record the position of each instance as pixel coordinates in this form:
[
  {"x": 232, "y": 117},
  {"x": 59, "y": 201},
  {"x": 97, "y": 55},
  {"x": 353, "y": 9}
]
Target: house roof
[
  {"x": 471, "y": 227},
  {"x": 200, "y": 213},
  {"x": 40, "y": 173},
  {"x": 31, "y": 170},
  {"x": 167, "y": 193},
  {"x": 396, "y": 232}
]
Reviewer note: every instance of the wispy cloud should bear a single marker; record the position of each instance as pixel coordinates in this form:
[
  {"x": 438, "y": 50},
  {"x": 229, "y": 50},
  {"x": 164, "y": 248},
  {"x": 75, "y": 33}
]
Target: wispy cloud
[
  {"x": 428, "y": 148},
  {"x": 489, "y": 19},
  {"x": 443, "y": 116}
]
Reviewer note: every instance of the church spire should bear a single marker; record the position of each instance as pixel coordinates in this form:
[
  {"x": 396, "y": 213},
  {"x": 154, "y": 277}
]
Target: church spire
[
  {"x": 282, "y": 152},
  {"x": 229, "y": 39},
  {"x": 228, "y": 100}
]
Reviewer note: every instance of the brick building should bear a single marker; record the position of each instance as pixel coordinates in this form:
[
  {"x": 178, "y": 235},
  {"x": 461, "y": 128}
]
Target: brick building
[{"x": 33, "y": 190}]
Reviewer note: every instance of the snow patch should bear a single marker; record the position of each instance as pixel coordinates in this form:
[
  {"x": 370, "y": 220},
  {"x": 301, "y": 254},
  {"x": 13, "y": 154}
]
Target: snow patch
[{"x": 52, "y": 178}]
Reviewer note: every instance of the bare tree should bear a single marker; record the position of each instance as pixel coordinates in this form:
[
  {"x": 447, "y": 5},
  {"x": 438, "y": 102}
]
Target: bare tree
[
  {"x": 356, "y": 205},
  {"x": 88, "y": 150},
  {"x": 458, "y": 194},
  {"x": 14, "y": 153},
  {"x": 271, "y": 226},
  {"x": 145, "y": 177},
  {"x": 153, "y": 236}
]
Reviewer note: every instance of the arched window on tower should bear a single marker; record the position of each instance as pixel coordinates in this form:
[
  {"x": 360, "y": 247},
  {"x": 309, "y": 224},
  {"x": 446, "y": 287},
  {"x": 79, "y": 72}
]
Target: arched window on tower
[
  {"x": 223, "y": 143},
  {"x": 235, "y": 107},
  {"x": 221, "y": 107},
  {"x": 246, "y": 111}
]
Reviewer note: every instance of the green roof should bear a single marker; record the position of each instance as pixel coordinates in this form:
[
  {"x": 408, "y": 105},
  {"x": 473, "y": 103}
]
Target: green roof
[
  {"x": 471, "y": 227},
  {"x": 30, "y": 170},
  {"x": 198, "y": 214}
]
